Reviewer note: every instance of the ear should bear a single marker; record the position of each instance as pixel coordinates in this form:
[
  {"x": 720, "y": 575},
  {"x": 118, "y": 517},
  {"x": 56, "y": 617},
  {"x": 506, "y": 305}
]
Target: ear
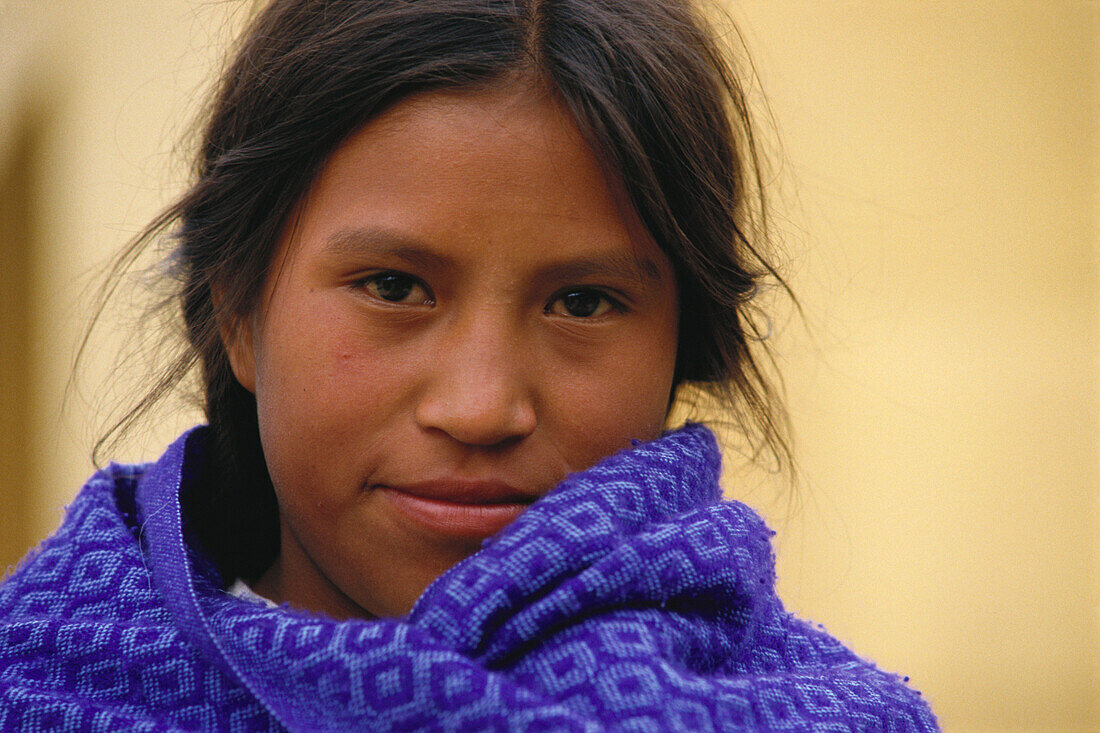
[
  {"x": 236, "y": 333},
  {"x": 242, "y": 355}
]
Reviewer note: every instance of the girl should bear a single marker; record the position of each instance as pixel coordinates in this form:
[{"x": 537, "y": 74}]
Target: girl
[{"x": 442, "y": 268}]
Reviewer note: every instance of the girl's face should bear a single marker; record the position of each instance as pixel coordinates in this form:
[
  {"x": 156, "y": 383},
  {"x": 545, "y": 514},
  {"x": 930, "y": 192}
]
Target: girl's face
[{"x": 463, "y": 312}]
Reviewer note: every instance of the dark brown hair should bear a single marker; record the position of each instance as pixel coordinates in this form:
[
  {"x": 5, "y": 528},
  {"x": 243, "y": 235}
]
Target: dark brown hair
[{"x": 649, "y": 86}]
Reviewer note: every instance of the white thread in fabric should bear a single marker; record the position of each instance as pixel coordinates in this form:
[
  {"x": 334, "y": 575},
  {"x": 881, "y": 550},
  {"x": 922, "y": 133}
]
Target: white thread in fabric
[{"x": 240, "y": 589}]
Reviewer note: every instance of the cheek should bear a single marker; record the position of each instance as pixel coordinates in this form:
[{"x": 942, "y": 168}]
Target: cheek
[
  {"x": 317, "y": 364},
  {"x": 598, "y": 403},
  {"x": 321, "y": 402}
]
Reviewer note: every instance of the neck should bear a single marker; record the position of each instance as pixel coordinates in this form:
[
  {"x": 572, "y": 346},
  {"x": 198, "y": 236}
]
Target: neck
[{"x": 295, "y": 580}]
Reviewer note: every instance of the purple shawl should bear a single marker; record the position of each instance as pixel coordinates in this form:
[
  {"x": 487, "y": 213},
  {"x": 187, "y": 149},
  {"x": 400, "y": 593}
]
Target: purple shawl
[{"x": 629, "y": 598}]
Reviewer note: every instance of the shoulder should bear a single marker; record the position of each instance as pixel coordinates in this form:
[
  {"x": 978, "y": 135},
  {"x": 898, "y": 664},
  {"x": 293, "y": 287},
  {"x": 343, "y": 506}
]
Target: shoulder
[{"x": 92, "y": 556}]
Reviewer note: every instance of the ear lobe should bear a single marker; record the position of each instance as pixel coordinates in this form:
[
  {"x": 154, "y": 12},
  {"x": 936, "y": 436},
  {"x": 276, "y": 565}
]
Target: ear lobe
[{"x": 236, "y": 335}]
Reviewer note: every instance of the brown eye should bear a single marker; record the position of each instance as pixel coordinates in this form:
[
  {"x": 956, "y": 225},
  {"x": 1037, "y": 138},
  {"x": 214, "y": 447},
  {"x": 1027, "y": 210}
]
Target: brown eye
[
  {"x": 582, "y": 304},
  {"x": 396, "y": 287}
]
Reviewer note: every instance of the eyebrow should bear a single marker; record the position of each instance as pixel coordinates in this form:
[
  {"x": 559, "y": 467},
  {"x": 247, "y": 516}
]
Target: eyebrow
[
  {"x": 380, "y": 241},
  {"x": 383, "y": 242},
  {"x": 625, "y": 267}
]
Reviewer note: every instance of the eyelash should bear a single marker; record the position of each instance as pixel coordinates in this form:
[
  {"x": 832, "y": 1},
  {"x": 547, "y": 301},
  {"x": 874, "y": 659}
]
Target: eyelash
[
  {"x": 375, "y": 279},
  {"x": 613, "y": 303}
]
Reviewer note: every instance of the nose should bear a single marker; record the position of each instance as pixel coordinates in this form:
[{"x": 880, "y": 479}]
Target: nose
[{"x": 479, "y": 391}]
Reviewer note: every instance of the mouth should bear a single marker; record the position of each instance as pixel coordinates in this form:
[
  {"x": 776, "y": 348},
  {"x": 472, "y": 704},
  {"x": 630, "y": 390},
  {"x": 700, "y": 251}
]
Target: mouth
[{"x": 470, "y": 510}]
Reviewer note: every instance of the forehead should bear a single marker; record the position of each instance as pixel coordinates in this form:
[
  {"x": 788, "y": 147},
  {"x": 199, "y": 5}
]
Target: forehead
[
  {"x": 454, "y": 133},
  {"x": 504, "y": 168}
]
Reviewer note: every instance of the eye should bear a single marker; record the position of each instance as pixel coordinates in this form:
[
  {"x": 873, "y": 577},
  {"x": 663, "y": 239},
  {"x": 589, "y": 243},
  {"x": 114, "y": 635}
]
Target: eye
[
  {"x": 397, "y": 287},
  {"x": 583, "y": 303}
]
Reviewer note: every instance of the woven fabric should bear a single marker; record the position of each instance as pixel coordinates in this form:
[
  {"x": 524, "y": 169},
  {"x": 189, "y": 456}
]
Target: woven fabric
[{"x": 629, "y": 598}]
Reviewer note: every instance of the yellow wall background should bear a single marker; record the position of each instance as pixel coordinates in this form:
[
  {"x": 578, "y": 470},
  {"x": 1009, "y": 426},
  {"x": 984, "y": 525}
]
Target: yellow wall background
[{"x": 938, "y": 193}]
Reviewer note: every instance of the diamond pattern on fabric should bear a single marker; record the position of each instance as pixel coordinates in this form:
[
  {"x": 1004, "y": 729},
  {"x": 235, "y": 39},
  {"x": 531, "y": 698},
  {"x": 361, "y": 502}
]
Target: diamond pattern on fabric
[{"x": 629, "y": 598}]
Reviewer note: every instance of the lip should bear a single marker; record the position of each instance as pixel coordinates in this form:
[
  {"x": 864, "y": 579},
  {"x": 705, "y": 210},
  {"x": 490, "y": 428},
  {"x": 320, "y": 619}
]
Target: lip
[{"x": 458, "y": 508}]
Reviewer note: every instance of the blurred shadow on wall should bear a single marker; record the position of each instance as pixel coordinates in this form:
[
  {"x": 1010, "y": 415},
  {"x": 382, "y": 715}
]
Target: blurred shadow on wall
[{"x": 18, "y": 156}]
